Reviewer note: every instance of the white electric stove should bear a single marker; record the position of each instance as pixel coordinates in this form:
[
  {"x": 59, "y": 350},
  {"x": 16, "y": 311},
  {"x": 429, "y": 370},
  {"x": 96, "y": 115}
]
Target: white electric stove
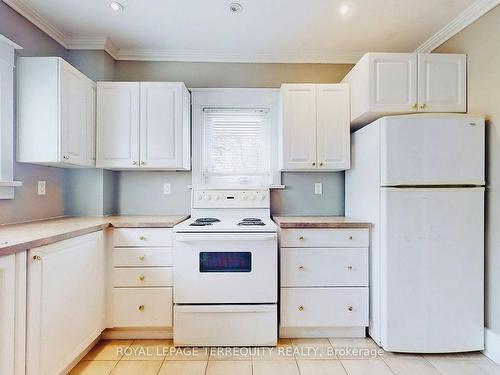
[{"x": 226, "y": 271}]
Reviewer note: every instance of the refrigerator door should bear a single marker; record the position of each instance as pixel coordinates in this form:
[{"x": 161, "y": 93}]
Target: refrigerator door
[
  {"x": 432, "y": 258},
  {"x": 432, "y": 150}
]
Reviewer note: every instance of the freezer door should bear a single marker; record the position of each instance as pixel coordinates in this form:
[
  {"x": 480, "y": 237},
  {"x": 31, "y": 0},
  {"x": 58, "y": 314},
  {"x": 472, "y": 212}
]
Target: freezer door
[
  {"x": 432, "y": 150},
  {"x": 432, "y": 257}
]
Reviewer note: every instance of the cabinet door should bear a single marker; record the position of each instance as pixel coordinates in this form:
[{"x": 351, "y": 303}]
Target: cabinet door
[
  {"x": 333, "y": 126},
  {"x": 442, "y": 82},
  {"x": 90, "y": 129},
  {"x": 7, "y": 313},
  {"x": 393, "y": 82},
  {"x": 298, "y": 126},
  {"x": 117, "y": 125},
  {"x": 161, "y": 125},
  {"x": 65, "y": 301},
  {"x": 73, "y": 102}
]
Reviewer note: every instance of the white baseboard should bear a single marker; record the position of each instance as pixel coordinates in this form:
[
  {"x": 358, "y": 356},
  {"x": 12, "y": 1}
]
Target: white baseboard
[
  {"x": 491, "y": 345},
  {"x": 137, "y": 334},
  {"x": 321, "y": 332}
]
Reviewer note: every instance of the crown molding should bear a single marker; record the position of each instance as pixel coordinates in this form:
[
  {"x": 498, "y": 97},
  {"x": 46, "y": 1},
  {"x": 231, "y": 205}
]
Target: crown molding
[
  {"x": 93, "y": 43},
  {"x": 464, "y": 19},
  {"x": 31, "y": 15},
  {"x": 237, "y": 57}
]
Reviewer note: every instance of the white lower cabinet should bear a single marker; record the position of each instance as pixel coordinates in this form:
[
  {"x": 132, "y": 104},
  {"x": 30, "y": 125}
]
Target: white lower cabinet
[
  {"x": 7, "y": 313},
  {"x": 324, "y": 282},
  {"x": 65, "y": 302},
  {"x": 142, "y": 278}
]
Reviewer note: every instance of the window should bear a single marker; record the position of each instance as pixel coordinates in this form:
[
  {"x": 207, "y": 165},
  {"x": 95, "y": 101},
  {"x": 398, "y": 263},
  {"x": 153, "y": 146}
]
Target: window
[
  {"x": 7, "y": 118},
  {"x": 236, "y": 147},
  {"x": 234, "y": 131}
]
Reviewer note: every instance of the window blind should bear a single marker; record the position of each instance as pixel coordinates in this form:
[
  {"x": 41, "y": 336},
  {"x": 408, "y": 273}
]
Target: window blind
[{"x": 236, "y": 146}]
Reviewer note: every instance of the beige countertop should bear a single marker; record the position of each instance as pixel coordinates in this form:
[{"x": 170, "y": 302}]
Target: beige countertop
[
  {"x": 24, "y": 236},
  {"x": 318, "y": 222}
]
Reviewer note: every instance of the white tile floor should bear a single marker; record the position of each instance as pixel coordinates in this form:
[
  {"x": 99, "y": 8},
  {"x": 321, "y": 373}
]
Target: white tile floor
[{"x": 290, "y": 357}]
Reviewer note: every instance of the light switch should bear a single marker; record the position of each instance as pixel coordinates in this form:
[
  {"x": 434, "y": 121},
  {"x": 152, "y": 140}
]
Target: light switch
[
  {"x": 166, "y": 188},
  {"x": 41, "y": 188},
  {"x": 318, "y": 188}
]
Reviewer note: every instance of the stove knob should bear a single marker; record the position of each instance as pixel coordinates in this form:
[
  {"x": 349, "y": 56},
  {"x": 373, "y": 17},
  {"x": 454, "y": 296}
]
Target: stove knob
[
  {"x": 262, "y": 197},
  {"x": 252, "y": 198},
  {"x": 217, "y": 197},
  {"x": 209, "y": 197},
  {"x": 200, "y": 197},
  {"x": 244, "y": 197}
]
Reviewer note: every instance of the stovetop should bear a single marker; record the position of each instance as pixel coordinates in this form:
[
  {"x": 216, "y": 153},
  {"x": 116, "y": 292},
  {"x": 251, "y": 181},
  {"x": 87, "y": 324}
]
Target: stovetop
[{"x": 226, "y": 224}]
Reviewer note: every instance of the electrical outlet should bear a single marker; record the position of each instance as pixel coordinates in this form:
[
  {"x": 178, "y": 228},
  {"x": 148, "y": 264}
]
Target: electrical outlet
[
  {"x": 318, "y": 188},
  {"x": 41, "y": 187},
  {"x": 166, "y": 188}
]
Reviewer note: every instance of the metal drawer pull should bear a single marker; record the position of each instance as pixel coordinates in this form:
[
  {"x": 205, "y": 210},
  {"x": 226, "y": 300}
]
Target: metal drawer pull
[
  {"x": 300, "y": 308},
  {"x": 142, "y": 257},
  {"x": 349, "y": 308},
  {"x": 37, "y": 257},
  {"x": 141, "y": 308},
  {"x": 349, "y": 268},
  {"x": 301, "y": 268},
  {"x": 350, "y": 237},
  {"x": 141, "y": 278},
  {"x": 301, "y": 238},
  {"x": 142, "y": 238}
]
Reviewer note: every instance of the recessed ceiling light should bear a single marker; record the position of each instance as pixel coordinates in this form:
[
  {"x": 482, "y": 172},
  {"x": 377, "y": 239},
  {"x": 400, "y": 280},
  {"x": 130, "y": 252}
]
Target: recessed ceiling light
[
  {"x": 344, "y": 9},
  {"x": 235, "y": 7},
  {"x": 116, "y": 6}
]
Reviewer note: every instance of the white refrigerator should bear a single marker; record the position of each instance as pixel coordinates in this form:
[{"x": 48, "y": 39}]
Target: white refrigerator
[{"x": 420, "y": 180}]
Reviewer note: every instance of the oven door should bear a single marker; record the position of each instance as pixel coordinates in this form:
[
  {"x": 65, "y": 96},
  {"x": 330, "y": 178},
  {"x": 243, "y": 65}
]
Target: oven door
[{"x": 225, "y": 268}]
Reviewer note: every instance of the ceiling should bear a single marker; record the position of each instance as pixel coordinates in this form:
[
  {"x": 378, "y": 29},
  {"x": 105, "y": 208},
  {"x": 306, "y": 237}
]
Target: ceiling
[{"x": 264, "y": 31}]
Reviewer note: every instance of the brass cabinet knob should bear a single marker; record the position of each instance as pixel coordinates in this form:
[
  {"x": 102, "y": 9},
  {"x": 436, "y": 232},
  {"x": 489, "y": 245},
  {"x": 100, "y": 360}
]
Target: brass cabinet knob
[
  {"x": 134, "y": 163},
  {"x": 301, "y": 268},
  {"x": 143, "y": 162},
  {"x": 141, "y": 257},
  {"x": 301, "y": 238},
  {"x": 321, "y": 164},
  {"x": 349, "y": 268},
  {"x": 300, "y": 308},
  {"x": 142, "y": 277},
  {"x": 422, "y": 106},
  {"x": 65, "y": 157},
  {"x": 141, "y": 308},
  {"x": 350, "y": 237},
  {"x": 414, "y": 106},
  {"x": 314, "y": 164},
  {"x": 349, "y": 308},
  {"x": 37, "y": 257},
  {"x": 142, "y": 238}
]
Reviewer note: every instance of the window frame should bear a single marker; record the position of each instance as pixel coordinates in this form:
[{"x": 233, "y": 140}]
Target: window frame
[
  {"x": 233, "y": 98},
  {"x": 7, "y": 61}
]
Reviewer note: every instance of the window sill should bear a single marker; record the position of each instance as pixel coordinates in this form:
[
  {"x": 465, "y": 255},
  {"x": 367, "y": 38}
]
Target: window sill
[{"x": 7, "y": 189}]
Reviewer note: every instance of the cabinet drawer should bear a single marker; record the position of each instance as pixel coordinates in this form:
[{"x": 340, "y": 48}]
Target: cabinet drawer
[
  {"x": 324, "y": 307},
  {"x": 324, "y": 267},
  {"x": 142, "y": 307},
  {"x": 142, "y": 237},
  {"x": 324, "y": 237},
  {"x": 159, "y": 276},
  {"x": 142, "y": 257}
]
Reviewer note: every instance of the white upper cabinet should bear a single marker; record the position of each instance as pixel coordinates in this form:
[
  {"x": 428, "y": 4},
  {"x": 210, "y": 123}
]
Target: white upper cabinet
[
  {"x": 118, "y": 125},
  {"x": 143, "y": 125},
  {"x": 165, "y": 124},
  {"x": 332, "y": 127},
  {"x": 442, "y": 82},
  {"x": 314, "y": 127},
  {"x": 397, "y": 83},
  {"x": 298, "y": 126},
  {"x": 55, "y": 113}
]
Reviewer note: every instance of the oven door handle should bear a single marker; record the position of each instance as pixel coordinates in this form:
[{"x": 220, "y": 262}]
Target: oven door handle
[{"x": 225, "y": 237}]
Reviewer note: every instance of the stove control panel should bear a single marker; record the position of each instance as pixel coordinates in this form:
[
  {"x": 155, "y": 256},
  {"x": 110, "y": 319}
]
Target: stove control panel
[{"x": 259, "y": 198}]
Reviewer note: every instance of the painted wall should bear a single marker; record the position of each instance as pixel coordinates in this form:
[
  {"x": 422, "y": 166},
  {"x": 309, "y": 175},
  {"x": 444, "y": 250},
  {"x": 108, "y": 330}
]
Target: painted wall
[
  {"x": 27, "y": 205},
  {"x": 297, "y": 198},
  {"x": 481, "y": 42}
]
